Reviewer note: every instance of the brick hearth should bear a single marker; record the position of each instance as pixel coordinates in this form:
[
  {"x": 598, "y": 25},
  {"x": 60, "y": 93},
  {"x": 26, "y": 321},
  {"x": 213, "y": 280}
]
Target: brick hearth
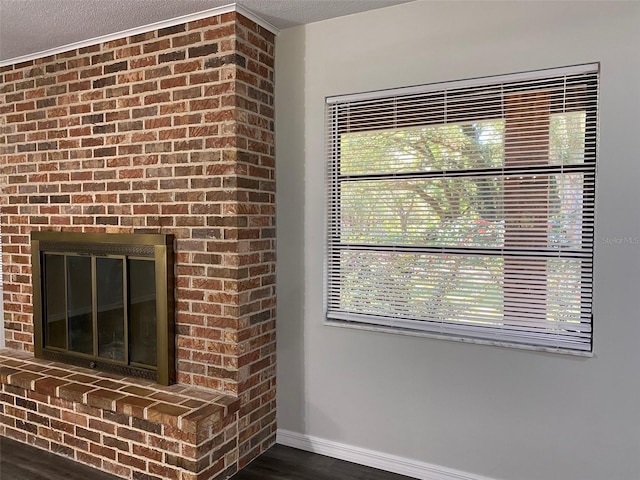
[
  {"x": 169, "y": 131},
  {"x": 118, "y": 424}
]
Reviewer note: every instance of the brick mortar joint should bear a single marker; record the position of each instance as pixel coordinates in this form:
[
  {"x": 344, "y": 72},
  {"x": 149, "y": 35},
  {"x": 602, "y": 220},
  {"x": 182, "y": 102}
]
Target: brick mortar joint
[{"x": 21, "y": 374}]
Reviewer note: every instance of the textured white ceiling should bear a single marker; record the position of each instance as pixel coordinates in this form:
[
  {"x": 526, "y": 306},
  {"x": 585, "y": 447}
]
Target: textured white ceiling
[{"x": 31, "y": 26}]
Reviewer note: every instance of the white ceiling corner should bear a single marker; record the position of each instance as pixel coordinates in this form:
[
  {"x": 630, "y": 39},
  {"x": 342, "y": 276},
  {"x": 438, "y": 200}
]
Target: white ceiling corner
[{"x": 32, "y": 28}]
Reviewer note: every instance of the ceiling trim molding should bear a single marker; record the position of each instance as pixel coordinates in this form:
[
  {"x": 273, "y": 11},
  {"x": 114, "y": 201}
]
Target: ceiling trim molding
[{"x": 234, "y": 7}]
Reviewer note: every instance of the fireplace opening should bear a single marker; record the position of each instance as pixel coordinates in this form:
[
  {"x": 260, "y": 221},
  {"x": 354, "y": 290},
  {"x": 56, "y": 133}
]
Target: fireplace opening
[{"x": 105, "y": 301}]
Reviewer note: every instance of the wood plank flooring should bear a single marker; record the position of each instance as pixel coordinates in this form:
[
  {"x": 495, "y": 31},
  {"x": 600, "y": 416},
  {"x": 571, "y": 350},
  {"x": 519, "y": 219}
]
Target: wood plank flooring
[
  {"x": 286, "y": 463},
  {"x": 23, "y": 462}
]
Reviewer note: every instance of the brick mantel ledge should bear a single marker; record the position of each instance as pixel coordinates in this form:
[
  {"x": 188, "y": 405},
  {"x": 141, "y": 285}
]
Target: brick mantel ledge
[{"x": 126, "y": 426}]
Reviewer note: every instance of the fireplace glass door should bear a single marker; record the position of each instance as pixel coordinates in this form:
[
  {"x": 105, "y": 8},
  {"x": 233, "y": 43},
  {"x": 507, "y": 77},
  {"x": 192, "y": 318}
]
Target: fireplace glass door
[
  {"x": 102, "y": 305},
  {"x": 79, "y": 304},
  {"x": 111, "y": 314}
]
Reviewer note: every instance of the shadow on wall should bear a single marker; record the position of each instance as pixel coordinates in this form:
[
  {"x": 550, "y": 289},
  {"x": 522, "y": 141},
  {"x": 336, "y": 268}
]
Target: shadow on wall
[{"x": 290, "y": 206}]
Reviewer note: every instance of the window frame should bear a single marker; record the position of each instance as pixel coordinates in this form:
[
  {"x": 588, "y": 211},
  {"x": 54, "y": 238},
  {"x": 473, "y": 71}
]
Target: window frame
[{"x": 339, "y": 122}]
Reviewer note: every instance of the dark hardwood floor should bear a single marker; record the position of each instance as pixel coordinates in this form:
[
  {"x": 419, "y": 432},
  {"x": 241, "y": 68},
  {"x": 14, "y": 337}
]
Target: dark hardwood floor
[
  {"x": 23, "y": 462},
  {"x": 286, "y": 463}
]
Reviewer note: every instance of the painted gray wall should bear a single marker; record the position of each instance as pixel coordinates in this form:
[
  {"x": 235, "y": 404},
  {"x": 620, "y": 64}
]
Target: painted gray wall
[{"x": 505, "y": 413}]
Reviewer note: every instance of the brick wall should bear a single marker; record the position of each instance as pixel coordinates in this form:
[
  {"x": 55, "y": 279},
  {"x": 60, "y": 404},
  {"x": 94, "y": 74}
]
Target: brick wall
[{"x": 169, "y": 131}]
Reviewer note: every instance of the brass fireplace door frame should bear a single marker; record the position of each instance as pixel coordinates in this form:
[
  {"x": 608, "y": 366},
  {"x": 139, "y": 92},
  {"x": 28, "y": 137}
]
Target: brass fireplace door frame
[{"x": 158, "y": 247}]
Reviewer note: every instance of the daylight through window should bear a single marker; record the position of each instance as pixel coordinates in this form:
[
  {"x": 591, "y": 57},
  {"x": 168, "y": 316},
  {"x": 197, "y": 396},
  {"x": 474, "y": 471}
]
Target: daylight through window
[{"x": 466, "y": 209}]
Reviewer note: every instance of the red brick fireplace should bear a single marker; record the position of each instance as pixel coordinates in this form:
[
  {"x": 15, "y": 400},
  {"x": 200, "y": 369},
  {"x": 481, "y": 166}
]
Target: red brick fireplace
[{"x": 165, "y": 132}]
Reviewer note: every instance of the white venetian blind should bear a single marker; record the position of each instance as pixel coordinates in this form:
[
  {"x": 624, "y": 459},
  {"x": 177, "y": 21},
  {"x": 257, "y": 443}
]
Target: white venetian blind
[{"x": 466, "y": 209}]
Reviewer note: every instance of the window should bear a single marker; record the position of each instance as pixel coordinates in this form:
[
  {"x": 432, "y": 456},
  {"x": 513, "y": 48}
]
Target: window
[{"x": 466, "y": 209}]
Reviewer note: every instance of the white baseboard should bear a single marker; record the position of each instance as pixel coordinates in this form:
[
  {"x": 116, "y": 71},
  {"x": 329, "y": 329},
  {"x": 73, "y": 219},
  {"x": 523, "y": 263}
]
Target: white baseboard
[{"x": 371, "y": 458}]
